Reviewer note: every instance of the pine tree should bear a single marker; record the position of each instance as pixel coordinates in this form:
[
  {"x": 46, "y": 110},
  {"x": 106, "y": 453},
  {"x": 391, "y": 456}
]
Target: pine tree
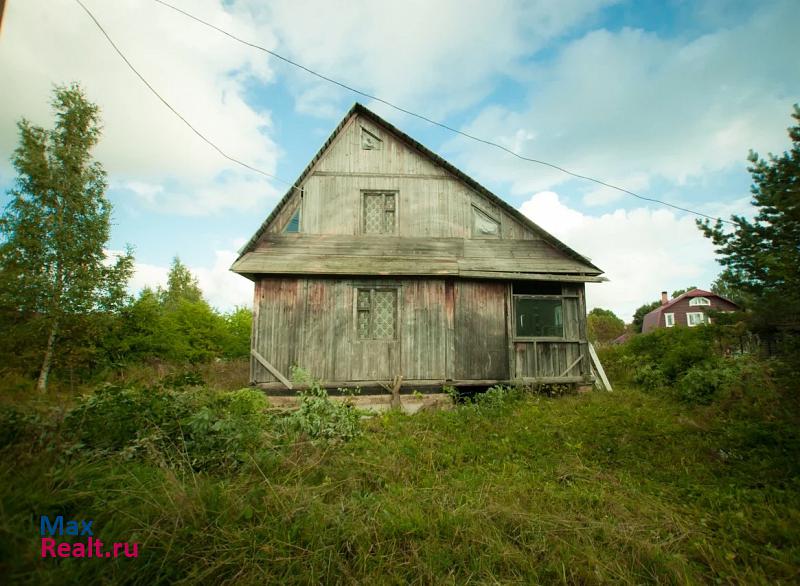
[
  {"x": 53, "y": 231},
  {"x": 762, "y": 258},
  {"x": 181, "y": 285}
]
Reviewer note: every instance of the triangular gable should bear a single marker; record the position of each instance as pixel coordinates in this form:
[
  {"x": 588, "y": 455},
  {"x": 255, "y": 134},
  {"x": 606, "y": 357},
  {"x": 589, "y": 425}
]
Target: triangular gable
[{"x": 358, "y": 109}]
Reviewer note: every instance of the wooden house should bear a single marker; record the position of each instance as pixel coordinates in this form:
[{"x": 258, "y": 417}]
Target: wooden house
[
  {"x": 384, "y": 260},
  {"x": 689, "y": 309}
]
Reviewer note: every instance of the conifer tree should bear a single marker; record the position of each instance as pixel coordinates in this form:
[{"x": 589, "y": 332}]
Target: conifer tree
[{"x": 761, "y": 258}]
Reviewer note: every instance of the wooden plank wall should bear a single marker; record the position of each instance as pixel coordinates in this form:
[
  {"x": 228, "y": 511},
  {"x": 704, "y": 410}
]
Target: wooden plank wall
[
  {"x": 432, "y": 203},
  {"x": 481, "y": 348},
  {"x": 447, "y": 329},
  {"x": 311, "y": 323},
  {"x": 551, "y": 358}
]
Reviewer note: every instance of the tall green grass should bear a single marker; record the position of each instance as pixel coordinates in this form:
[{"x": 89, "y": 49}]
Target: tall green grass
[{"x": 626, "y": 488}]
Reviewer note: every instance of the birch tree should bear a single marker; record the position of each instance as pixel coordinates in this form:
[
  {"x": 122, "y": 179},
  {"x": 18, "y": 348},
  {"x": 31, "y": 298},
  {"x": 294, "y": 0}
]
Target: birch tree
[{"x": 53, "y": 232}]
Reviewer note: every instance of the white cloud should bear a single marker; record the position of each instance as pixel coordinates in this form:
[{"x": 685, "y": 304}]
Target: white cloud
[
  {"x": 436, "y": 57},
  {"x": 632, "y": 106},
  {"x": 642, "y": 251},
  {"x": 201, "y": 73},
  {"x": 221, "y": 288}
]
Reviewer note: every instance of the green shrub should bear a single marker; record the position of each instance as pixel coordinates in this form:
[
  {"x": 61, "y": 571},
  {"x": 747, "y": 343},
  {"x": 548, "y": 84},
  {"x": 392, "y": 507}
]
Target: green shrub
[
  {"x": 320, "y": 418},
  {"x": 177, "y": 427},
  {"x": 702, "y": 382},
  {"x": 650, "y": 377}
]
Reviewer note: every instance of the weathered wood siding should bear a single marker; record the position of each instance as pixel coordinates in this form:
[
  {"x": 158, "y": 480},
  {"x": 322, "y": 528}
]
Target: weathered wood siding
[
  {"x": 563, "y": 358},
  {"x": 431, "y": 202},
  {"x": 311, "y": 323},
  {"x": 481, "y": 346},
  {"x": 446, "y": 330}
]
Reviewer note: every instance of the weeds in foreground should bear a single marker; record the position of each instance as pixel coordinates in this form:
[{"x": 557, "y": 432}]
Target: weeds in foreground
[{"x": 511, "y": 488}]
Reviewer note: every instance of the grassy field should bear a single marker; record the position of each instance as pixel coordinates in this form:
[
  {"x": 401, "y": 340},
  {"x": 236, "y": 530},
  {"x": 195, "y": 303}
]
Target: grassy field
[{"x": 624, "y": 488}]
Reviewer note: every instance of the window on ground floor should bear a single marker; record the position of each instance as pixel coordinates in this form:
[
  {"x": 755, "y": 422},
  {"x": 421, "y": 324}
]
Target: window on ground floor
[
  {"x": 669, "y": 319},
  {"x": 538, "y": 317},
  {"x": 696, "y": 318},
  {"x": 376, "y": 313}
]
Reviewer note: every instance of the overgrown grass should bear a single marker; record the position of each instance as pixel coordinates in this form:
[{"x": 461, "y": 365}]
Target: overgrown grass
[{"x": 603, "y": 488}]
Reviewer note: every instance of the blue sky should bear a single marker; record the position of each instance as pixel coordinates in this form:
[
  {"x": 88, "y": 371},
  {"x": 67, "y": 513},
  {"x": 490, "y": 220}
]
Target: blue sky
[{"x": 664, "y": 98}]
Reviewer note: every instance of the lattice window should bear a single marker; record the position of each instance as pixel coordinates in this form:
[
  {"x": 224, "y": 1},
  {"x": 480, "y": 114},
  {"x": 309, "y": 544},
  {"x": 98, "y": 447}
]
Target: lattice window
[
  {"x": 376, "y": 314},
  {"x": 379, "y": 213}
]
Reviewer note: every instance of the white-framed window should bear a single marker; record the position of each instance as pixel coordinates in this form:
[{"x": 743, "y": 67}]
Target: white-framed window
[
  {"x": 694, "y": 301},
  {"x": 669, "y": 319},
  {"x": 696, "y": 318}
]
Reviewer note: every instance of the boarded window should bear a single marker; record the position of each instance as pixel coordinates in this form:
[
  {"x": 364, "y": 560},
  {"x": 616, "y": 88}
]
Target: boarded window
[
  {"x": 538, "y": 317},
  {"x": 370, "y": 142},
  {"x": 376, "y": 311},
  {"x": 483, "y": 225},
  {"x": 293, "y": 226},
  {"x": 379, "y": 213}
]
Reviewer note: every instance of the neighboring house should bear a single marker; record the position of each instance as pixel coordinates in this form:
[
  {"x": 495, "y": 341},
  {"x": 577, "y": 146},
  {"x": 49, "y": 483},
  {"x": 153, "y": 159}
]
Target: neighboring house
[
  {"x": 689, "y": 309},
  {"x": 385, "y": 260}
]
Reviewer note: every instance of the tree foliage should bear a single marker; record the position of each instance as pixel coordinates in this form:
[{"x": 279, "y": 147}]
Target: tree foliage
[
  {"x": 638, "y": 315},
  {"x": 761, "y": 258},
  {"x": 603, "y": 326},
  {"x": 52, "y": 259}
]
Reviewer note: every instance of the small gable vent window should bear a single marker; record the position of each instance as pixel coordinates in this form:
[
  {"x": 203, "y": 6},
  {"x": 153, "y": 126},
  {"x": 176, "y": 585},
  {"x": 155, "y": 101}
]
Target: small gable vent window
[
  {"x": 293, "y": 226},
  {"x": 379, "y": 213},
  {"x": 370, "y": 142},
  {"x": 483, "y": 225},
  {"x": 694, "y": 301},
  {"x": 376, "y": 311}
]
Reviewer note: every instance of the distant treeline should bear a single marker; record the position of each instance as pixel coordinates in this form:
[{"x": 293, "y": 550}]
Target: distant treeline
[{"x": 172, "y": 324}]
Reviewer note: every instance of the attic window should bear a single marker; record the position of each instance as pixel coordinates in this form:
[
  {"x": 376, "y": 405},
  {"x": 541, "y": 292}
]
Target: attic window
[
  {"x": 376, "y": 313},
  {"x": 483, "y": 225},
  {"x": 293, "y": 225},
  {"x": 699, "y": 301},
  {"x": 379, "y": 213},
  {"x": 370, "y": 142}
]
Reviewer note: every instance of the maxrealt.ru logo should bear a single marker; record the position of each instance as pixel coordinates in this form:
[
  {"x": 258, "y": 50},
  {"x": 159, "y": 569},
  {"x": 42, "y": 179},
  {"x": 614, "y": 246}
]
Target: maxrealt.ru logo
[{"x": 91, "y": 547}]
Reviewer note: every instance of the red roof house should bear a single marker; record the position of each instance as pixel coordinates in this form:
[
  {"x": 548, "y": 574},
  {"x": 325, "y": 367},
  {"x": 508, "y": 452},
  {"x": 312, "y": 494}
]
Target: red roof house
[{"x": 689, "y": 309}]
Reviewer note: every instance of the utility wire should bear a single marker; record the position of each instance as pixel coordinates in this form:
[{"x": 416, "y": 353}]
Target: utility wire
[
  {"x": 173, "y": 110},
  {"x": 431, "y": 121}
]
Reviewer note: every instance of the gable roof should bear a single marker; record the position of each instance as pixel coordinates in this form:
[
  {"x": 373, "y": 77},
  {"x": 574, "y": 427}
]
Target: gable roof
[
  {"x": 653, "y": 318},
  {"x": 358, "y": 109}
]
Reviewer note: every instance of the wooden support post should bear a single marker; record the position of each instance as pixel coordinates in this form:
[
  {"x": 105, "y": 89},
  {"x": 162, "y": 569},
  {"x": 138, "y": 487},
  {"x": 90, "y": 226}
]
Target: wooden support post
[
  {"x": 275, "y": 372},
  {"x": 599, "y": 368},
  {"x": 398, "y": 382}
]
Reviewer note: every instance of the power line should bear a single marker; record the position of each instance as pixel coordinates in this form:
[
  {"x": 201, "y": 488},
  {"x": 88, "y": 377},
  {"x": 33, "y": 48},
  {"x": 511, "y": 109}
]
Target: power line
[
  {"x": 168, "y": 105},
  {"x": 429, "y": 120}
]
